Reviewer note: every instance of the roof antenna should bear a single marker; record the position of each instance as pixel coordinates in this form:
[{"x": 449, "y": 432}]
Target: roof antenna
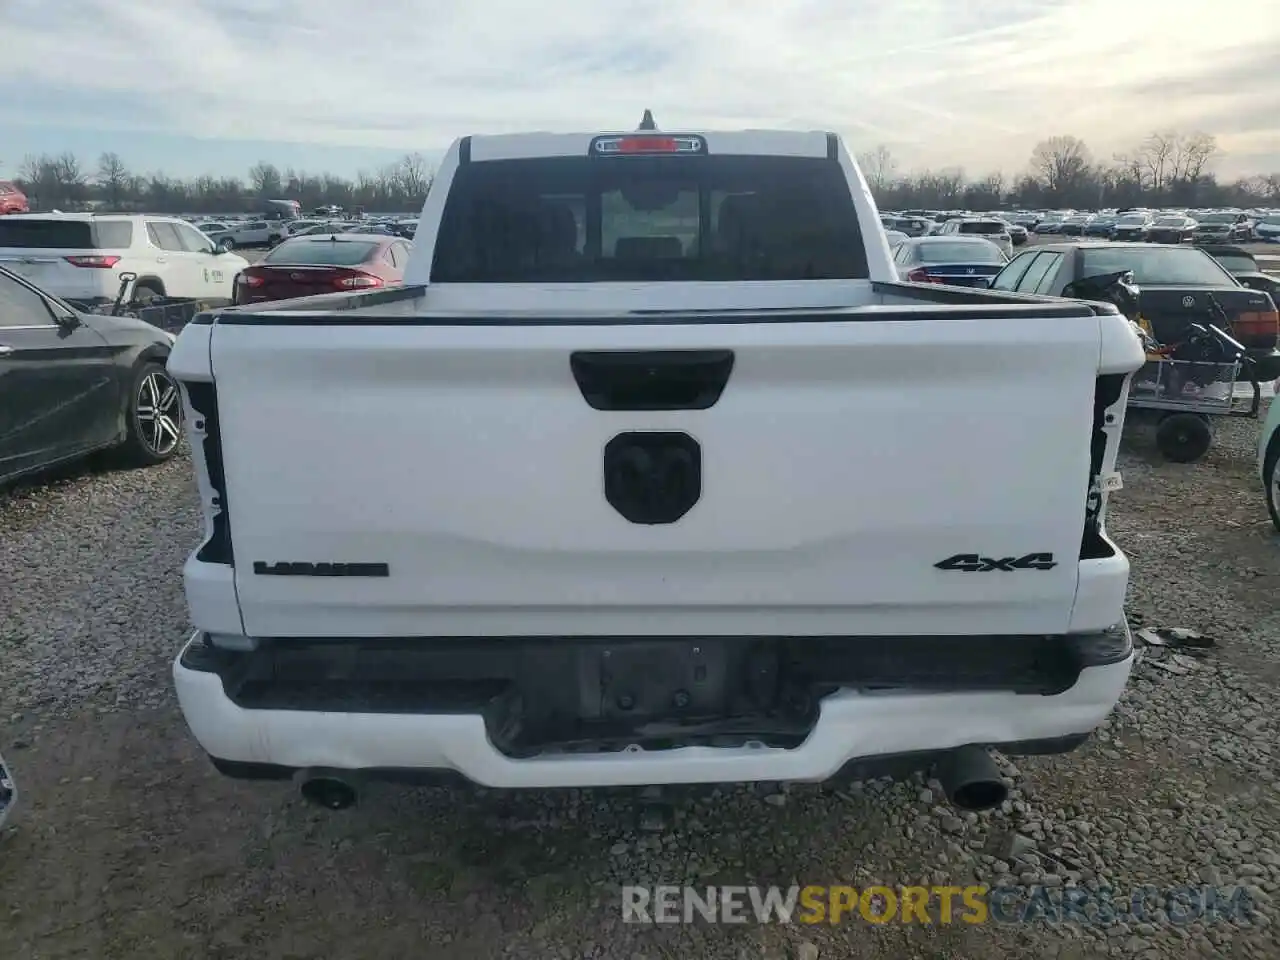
[{"x": 646, "y": 122}]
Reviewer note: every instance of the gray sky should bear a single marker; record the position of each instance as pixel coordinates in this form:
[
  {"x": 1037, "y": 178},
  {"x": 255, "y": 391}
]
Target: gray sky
[{"x": 943, "y": 83}]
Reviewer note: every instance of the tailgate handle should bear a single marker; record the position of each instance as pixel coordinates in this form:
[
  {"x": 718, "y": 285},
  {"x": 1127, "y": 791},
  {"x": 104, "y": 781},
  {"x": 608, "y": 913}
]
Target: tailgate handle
[{"x": 651, "y": 379}]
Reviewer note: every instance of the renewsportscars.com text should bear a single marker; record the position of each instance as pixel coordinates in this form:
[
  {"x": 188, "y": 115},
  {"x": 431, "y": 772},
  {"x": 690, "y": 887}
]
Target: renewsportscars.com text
[{"x": 972, "y": 904}]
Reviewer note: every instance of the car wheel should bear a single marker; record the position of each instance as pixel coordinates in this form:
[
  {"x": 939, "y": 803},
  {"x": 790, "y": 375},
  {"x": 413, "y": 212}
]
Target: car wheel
[
  {"x": 154, "y": 416},
  {"x": 1271, "y": 480},
  {"x": 1184, "y": 437},
  {"x": 226, "y": 244}
]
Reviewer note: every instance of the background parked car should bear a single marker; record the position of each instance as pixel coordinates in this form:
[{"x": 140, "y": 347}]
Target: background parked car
[
  {"x": 254, "y": 233},
  {"x": 1171, "y": 229},
  {"x": 73, "y": 383},
  {"x": 80, "y": 257},
  {"x": 1101, "y": 225},
  {"x": 914, "y": 226},
  {"x": 329, "y": 263},
  {"x": 1178, "y": 286},
  {"x": 1242, "y": 265},
  {"x": 1051, "y": 222},
  {"x": 1131, "y": 226},
  {"x": 1223, "y": 227},
  {"x": 1267, "y": 228},
  {"x": 1076, "y": 224},
  {"x": 960, "y": 261},
  {"x": 12, "y": 199},
  {"x": 989, "y": 228}
]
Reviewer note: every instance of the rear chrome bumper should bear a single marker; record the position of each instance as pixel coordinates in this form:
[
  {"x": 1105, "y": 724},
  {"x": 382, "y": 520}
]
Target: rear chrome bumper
[{"x": 852, "y": 728}]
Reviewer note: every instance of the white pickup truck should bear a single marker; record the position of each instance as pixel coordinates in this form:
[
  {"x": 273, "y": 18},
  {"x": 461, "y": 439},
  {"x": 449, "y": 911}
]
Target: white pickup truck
[{"x": 651, "y": 473}]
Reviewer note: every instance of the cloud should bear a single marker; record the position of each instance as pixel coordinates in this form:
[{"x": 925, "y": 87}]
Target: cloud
[{"x": 944, "y": 84}]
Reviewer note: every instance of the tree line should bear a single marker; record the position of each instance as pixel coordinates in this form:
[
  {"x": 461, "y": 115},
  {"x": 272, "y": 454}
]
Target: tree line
[
  {"x": 1166, "y": 168},
  {"x": 63, "y": 182}
]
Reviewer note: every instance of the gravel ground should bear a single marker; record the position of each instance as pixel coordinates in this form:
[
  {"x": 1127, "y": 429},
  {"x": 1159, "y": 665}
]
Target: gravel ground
[{"x": 130, "y": 846}]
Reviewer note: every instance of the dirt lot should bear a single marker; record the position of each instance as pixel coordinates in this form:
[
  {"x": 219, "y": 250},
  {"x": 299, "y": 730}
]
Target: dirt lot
[{"x": 129, "y": 846}]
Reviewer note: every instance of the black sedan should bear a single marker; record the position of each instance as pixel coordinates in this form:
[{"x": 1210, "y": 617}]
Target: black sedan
[
  {"x": 1179, "y": 286},
  {"x": 73, "y": 383},
  {"x": 1130, "y": 226},
  {"x": 959, "y": 261},
  {"x": 1174, "y": 229}
]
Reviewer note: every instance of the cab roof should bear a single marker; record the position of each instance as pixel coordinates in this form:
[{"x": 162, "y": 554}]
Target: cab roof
[{"x": 525, "y": 146}]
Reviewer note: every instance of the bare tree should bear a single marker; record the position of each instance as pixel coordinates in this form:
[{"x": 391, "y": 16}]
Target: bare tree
[
  {"x": 113, "y": 178},
  {"x": 413, "y": 176},
  {"x": 878, "y": 166},
  {"x": 70, "y": 175},
  {"x": 1191, "y": 154},
  {"x": 1155, "y": 153},
  {"x": 31, "y": 169},
  {"x": 1130, "y": 168},
  {"x": 1060, "y": 163},
  {"x": 265, "y": 179}
]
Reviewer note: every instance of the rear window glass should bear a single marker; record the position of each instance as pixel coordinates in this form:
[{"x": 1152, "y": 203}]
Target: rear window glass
[
  {"x": 334, "y": 253},
  {"x": 1218, "y": 218},
  {"x": 1170, "y": 222},
  {"x": 46, "y": 234},
  {"x": 960, "y": 253},
  {"x": 983, "y": 226},
  {"x": 1171, "y": 266},
  {"x": 584, "y": 219},
  {"x": 1237, "y": 263},
  {"x": 6, "y": 186}
]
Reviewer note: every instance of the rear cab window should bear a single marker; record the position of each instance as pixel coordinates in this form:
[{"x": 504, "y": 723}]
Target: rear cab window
[{"x": 649, "y": 218}]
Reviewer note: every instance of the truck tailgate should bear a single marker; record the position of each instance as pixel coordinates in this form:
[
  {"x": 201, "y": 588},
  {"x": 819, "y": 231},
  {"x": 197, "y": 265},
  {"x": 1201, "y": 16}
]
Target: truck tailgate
[{"x": 841, "y": 464}]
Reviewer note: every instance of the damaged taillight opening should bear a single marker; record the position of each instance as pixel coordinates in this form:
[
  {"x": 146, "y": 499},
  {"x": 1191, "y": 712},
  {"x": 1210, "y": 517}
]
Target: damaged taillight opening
[
  {"x": 203, "y": 399},
  {"x": 1107, "y": 393}
]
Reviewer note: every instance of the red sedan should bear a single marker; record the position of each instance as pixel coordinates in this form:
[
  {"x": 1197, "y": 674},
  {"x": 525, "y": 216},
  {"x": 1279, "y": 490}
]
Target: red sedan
[{"x": 326, "y": 263}]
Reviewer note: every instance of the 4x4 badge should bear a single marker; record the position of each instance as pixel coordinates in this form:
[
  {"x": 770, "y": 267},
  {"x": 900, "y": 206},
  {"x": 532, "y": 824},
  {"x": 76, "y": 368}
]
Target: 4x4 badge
[{"x": 973, "y": 563}]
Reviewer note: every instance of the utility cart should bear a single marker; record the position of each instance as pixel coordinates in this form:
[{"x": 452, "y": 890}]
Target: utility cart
[{"x": 1181, "y": 388}]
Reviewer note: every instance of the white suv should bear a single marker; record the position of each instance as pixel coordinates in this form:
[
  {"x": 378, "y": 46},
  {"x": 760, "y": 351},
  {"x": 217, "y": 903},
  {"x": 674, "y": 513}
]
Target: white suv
[
  {"x": 989, "y": 228},
  {"x": 80, "y": 256}
]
